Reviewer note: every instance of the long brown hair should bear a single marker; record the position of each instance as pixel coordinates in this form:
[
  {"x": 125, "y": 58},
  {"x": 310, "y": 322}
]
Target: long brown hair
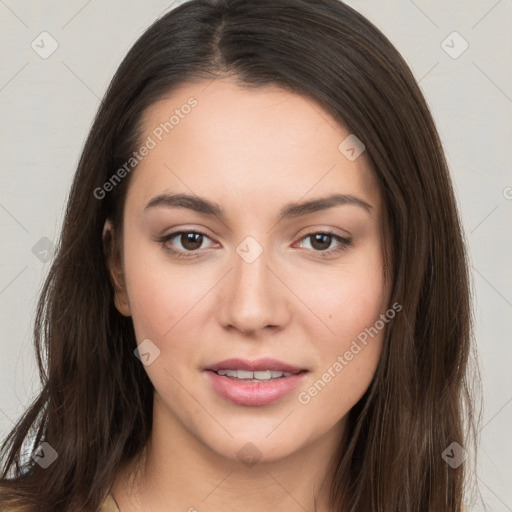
[{"x": 95, "y": 406}]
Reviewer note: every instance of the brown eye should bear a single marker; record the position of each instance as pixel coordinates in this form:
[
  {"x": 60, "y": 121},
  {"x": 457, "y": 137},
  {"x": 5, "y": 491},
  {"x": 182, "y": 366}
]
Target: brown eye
[
  {"x": 191, "y": 241},
  {"x": 320, "y": 241},
  {"x": 325, "y": 243},
  {"x": 184, "y": 244}
]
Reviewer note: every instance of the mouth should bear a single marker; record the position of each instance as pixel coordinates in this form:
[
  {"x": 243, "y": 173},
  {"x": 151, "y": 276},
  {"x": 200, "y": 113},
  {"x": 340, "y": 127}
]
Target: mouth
[
  {"x": 265, "y": 365},
  {"x": 254, "y": 383},
  {"x": 259, "y": 376}
]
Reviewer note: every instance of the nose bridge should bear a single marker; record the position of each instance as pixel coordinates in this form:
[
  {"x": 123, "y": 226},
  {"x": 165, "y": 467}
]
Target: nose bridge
[{"x": 253, "y": 297}]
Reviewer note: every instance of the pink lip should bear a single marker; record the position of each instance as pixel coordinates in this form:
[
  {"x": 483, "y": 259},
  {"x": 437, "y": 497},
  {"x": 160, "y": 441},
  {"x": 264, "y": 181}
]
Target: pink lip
[{"x": 249, "y": 393}]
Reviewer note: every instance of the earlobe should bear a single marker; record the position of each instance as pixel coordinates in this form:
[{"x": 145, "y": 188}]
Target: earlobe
[{"x": 115, "y": 268}]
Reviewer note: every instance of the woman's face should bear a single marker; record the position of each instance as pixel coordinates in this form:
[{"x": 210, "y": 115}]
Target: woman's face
[{"x": 260, "y": 175}]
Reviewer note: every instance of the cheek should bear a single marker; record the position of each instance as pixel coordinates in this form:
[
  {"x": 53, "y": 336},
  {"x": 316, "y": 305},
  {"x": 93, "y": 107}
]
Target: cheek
[
  {"x": 356, "y": 307},
  {"x": 153, "y": 302},
  {"x": 347, "y": 299},
  {"x": 167, "y": 307},
  {"x": 335, "y": 390},
  {"x": 349, "y": 338},
  {"x": 162, "y": 296},
  {"x": 349, "y": 353}
]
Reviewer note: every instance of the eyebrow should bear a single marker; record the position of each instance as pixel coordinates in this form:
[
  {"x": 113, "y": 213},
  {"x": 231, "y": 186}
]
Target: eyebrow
[{"x": 291, "y": 210}]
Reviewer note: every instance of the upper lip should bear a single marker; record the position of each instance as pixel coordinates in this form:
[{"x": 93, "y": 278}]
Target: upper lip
[{"x": 263, "y": 364}]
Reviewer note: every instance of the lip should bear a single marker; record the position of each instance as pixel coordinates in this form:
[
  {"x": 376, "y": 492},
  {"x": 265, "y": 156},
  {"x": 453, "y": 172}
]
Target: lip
[
  {"x": 265, "y": 363},
  {"x": 254, "y": 394}
]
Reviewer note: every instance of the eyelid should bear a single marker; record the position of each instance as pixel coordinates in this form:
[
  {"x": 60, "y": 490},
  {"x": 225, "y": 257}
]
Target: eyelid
[{"x": 317, "y": 228}]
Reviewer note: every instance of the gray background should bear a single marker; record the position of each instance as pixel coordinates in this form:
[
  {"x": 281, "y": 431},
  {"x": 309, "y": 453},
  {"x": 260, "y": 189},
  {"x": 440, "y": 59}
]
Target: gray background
[{"x": 47, "y": 106}]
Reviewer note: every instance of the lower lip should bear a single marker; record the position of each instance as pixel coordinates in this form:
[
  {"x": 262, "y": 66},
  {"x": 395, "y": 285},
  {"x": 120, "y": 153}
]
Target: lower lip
[{"x": 253, "y": 394}]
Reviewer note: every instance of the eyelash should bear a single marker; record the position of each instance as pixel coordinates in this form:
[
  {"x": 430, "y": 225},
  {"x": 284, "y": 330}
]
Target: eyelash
[{"x": 344, "y": 243}]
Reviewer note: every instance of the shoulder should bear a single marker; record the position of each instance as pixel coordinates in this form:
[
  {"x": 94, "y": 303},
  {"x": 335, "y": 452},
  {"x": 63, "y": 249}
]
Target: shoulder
[{"x": 109, "y": 505}]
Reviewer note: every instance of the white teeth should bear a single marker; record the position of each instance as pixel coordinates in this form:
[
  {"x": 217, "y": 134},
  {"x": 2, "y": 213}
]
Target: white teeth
[
  {"x": 258, "y": 375},
  {"x": 264, "y": 375}
]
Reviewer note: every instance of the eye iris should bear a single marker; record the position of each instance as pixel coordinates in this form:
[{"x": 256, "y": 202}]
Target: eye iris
[
  {"x": 191, "y": 241},
  {"x": 321, "y": 241}
]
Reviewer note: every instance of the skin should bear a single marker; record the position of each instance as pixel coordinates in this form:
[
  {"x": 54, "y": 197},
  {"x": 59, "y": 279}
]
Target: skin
[{"x": 251, "y": 151}]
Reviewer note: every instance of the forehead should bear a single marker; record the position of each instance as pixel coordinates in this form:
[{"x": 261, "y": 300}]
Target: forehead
[{"x": 219, "y": 137}]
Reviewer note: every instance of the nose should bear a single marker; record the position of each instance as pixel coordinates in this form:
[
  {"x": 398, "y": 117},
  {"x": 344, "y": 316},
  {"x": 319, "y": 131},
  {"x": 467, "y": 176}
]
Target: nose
[{"x": 253, "y": 297}]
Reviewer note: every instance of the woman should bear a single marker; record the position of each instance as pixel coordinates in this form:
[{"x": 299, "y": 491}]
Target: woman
[{"x": 260, "y": 298}]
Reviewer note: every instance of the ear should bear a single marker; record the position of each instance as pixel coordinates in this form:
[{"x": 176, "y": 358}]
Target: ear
[{"x": 115, "y": 269}]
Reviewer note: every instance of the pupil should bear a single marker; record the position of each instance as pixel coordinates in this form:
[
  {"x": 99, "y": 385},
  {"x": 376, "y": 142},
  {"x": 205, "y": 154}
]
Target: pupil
[{"x": 191, "y": 241}]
